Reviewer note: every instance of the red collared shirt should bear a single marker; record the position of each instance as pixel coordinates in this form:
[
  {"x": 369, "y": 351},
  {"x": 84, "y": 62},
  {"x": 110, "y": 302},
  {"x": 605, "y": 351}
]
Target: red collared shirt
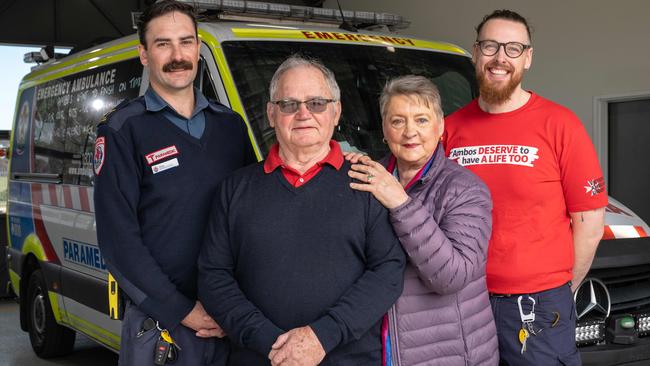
[{"x": 273, "y": 161}]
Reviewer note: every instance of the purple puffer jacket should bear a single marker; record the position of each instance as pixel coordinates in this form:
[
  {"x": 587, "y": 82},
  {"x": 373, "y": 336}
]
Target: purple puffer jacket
[{"x": 443, "y": 316}]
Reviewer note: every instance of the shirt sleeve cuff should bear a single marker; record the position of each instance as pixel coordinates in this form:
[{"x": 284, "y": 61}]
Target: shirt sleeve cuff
[
  {"x": 328, "y": 332},
  {"x": 399, "y": 208},
  {"x": 262, "y": 340},
  {"x": 171, "y": 312}
]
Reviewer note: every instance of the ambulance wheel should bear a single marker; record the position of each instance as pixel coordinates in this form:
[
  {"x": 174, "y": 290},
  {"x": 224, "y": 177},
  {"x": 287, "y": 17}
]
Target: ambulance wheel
[{"x": 48, "y": 338}]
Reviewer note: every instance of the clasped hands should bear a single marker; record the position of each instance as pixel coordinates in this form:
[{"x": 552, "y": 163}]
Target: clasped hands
[
  {"x": 297, "y": 347},
  {"x": 202, "y": 323}
]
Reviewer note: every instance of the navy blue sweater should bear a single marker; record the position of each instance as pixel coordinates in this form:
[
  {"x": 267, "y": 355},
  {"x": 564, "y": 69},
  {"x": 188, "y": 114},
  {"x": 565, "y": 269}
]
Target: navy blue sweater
[
  {"x": 278, "y": 257},
  {"x": 150, "y": 225}
]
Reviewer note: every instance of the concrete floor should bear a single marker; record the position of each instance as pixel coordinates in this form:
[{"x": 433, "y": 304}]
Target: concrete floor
[{"x": 15, "y": 349}]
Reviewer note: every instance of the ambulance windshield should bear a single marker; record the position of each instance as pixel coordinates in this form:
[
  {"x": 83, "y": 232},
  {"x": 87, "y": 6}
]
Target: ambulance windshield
[{"x": 361, "y": 72}]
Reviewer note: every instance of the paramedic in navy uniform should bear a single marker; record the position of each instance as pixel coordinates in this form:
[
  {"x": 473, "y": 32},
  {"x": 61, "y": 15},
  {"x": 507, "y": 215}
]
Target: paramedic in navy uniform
[
  {"x": 297, "y": 267},
  {"x": 158, "y": 160}
]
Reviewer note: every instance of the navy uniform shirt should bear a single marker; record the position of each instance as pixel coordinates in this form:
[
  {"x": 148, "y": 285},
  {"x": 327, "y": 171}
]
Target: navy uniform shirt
[{"x": 153, "y": 188}]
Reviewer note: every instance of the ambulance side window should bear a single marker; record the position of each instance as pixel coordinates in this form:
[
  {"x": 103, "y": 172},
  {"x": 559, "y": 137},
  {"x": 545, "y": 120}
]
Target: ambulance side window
[
  {"x": 67, "y": 112},
  {"x": 93, "y": 94},
  {"x": 48, "y": 125},
  {"x": 204, "y": 81}
]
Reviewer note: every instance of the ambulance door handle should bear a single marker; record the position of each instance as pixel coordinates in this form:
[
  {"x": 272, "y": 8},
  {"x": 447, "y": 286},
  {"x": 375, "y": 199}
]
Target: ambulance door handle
[{"x": 38, "y": 177}]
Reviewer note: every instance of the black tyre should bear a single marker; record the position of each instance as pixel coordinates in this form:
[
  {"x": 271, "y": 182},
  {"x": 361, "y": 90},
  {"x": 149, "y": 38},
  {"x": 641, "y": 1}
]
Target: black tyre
[{"x": 48, "y": 338}]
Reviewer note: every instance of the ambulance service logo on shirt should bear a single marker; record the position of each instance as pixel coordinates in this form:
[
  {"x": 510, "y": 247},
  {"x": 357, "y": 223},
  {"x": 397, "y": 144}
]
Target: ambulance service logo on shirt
[
  {"x": 100, "y": 153},
  {"x": 495, "y": 154},
  {"x": 595, "y": 186}
]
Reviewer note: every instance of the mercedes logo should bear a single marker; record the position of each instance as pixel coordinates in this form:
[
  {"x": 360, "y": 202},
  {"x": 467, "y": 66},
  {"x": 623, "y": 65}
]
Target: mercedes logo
[{"x": 592, "y": 300}]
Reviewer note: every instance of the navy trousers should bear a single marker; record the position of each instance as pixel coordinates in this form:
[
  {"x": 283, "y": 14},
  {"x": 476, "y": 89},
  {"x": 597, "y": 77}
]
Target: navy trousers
[
  {"x": 138, "y": 349},
  {"x": 552, "y": 344}
]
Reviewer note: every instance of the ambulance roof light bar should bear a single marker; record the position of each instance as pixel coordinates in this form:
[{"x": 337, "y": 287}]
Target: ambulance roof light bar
[{"x": 298, "y": 13}]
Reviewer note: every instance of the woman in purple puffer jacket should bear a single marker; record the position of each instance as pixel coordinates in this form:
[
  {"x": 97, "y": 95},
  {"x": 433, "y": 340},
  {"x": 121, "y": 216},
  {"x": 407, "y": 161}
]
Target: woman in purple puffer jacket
[{"x": 441, "y": 213}]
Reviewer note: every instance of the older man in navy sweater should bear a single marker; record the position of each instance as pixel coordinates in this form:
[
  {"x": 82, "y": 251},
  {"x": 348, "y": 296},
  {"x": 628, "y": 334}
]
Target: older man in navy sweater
[{"x": 296, "y": 267}]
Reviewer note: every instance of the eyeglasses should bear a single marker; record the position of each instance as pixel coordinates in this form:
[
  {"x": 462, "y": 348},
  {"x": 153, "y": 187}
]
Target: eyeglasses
[
  {"x": 512, "y": 49},
  {"x": 315, "y": 105}
]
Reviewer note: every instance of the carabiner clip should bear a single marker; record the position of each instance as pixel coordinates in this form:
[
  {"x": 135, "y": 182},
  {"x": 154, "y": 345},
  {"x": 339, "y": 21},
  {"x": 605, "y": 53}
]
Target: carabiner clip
[{"x": 526, "y": 318}]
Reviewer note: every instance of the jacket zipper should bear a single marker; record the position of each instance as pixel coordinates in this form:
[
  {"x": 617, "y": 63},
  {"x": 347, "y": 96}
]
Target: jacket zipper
[
  {"x": 462, "y": 332},
  {"x": 394, "y": 337}
]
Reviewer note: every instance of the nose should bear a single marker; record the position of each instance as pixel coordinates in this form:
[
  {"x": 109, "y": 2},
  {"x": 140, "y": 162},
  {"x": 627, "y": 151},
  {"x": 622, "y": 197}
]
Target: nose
[
  {"x": 303, "y": 112},
  {"x": 410, "y": 129},
  {"x": 501, "y": 54},
  {"x": 177, "y": 55}
]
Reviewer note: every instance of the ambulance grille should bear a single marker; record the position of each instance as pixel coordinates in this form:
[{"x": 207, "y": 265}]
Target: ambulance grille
[{"x": 629, "y": 287}]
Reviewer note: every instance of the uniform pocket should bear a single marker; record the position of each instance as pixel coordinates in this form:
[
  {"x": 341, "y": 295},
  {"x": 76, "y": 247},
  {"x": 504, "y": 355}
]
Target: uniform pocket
[
  {"x": 137, "y": 348},
  {"x": 141, "y": 349}
]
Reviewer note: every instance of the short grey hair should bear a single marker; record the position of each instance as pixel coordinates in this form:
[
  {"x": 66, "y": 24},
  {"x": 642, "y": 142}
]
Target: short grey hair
[
  {"x": 299, "y": 61},
  {"x": 423, "y": 89}
]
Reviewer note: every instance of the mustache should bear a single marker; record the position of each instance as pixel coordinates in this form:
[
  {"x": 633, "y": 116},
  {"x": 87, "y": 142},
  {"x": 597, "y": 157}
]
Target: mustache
[
  {"x": 495, "y": 63},
  {"x": 177, "y": 65}
]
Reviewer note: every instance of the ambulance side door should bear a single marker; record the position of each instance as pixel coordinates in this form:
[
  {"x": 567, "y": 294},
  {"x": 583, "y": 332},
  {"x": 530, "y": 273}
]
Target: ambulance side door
[{"x": 70, "y": 216}]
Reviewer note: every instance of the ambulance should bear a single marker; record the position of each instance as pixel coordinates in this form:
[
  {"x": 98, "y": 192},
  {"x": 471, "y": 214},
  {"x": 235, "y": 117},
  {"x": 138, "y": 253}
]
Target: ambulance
[{"x": 55, "y": 265}]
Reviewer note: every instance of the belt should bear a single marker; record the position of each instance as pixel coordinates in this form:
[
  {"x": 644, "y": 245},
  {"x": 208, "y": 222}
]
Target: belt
[{"x": 496, "y": 294}]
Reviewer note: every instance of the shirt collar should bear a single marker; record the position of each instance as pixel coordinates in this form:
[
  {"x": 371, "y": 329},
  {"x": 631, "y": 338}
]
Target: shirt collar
[
  {"x": 155, "y": 103},
  {"x": 421, "y": 174},
  {"x": 334, "y": 158}
]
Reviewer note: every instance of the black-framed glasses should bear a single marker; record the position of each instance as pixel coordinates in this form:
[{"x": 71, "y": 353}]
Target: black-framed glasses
[
  {"x": 489, "y": 47},
  {"x": 315, "y": 105}
]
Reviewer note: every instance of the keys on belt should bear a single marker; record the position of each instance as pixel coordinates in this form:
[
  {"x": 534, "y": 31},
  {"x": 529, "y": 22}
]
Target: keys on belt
[
  {"x": 166, "y": 349},
  {"x": 526, "y": 322}
]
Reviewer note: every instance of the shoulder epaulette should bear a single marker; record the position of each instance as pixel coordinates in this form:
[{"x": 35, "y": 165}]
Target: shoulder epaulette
[
  {"x": 119, "y": 106},
  {"x": 124, "y": 109}
]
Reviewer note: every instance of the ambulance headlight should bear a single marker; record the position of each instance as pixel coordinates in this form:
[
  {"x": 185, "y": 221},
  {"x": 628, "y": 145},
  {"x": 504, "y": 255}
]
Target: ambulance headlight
[
  {"x": 643, "y": 324},
  {"x": 590, "y": 333}
]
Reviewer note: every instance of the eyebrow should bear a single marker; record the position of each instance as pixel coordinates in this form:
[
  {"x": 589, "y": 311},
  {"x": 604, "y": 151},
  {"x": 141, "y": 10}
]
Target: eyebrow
[{"x": 169, "y": 39}]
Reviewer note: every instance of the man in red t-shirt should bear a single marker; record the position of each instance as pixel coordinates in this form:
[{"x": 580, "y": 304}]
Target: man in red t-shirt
[{"x": 548, "y": 191}]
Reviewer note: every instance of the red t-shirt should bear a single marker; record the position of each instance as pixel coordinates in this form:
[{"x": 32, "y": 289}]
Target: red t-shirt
[
  {"x": 334, "y": 158},
  {"x": 539, "y": 164}
]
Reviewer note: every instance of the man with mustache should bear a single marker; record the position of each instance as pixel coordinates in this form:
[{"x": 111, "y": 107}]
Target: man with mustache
[
  {"x": 548, "y": 192},
  {"x": 158, "y": 160}
]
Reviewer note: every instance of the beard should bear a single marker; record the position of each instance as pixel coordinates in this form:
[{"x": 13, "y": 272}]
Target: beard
[{"x": 496, "y": 94}]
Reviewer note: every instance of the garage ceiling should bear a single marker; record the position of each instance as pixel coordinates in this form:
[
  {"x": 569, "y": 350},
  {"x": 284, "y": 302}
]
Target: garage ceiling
[{"x": 74, "y": 23}]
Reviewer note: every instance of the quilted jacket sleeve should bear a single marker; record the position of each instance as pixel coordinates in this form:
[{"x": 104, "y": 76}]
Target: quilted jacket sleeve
[{"x": 447, "y": 248}]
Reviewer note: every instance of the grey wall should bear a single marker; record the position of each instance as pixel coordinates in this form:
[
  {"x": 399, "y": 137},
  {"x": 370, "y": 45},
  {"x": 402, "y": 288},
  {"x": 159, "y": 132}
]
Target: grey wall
[{"x": 582, "y": 48}]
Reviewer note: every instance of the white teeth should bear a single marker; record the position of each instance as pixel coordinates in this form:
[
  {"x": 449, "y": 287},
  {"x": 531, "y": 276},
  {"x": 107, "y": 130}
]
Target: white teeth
[{"x": 498, "y": 71}]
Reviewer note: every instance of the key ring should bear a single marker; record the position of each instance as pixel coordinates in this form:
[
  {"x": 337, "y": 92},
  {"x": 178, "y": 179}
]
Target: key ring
[{"x": 526, "y": 318}]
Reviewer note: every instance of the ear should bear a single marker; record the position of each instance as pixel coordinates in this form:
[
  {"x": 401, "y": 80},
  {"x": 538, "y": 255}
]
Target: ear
[
  {"x": 529, "y": 58},
  {"x": 270, "y": 113},
  {"x": 143, "y": 55},
  {"x": 337, "y": 111}
]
